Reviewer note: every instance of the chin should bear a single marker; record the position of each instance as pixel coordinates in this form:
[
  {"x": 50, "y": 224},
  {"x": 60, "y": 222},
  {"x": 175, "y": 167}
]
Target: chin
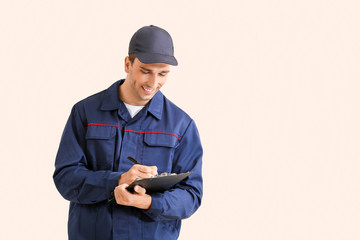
[{"x": 148, "y": 97}]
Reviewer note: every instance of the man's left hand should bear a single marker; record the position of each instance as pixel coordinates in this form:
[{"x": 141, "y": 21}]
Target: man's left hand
[{"x": 138, "y": 198}]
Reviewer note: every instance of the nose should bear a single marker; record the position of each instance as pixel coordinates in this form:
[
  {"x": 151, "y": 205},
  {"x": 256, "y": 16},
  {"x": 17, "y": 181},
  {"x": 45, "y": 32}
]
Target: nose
[{"x": 153, "y": 81}]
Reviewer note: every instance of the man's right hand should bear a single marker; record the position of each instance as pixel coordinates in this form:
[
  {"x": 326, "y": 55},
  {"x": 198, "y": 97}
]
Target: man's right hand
[{"x": 137, "y": 171}]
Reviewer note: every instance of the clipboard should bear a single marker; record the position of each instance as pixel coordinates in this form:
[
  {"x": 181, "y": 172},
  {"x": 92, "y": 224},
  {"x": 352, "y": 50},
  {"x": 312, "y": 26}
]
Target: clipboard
[{"x": 158, "y": 183}]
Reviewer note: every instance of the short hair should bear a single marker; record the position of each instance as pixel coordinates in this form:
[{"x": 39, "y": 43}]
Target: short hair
[{"x": 132, "y": 57}]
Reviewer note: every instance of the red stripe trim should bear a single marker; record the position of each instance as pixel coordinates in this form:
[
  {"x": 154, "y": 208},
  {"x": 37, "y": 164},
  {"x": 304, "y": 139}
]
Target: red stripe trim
[{"x": 127, "y": 130}]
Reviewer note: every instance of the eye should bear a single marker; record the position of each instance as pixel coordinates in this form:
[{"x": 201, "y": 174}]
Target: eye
[
  {"x": 163, "y": 74},
  {"x": 145, "y": 72}
]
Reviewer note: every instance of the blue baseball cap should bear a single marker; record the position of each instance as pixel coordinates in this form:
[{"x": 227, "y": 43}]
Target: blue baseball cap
[{"x": 152, "y": 44}]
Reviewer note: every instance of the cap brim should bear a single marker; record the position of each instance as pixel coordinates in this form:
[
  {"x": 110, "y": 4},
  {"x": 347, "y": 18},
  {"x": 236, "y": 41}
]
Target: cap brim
[{"x": 156, "y": 58}]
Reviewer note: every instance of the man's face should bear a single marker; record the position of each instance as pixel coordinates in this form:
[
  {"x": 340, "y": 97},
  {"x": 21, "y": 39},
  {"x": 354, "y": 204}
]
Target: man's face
[{"x": 143, "y": 80}]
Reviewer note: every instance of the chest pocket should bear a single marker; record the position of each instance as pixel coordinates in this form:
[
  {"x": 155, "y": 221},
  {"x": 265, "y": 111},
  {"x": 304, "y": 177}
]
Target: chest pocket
[
  {"x": 100, "y": 147},
  {"x": 159, "y": 150}
]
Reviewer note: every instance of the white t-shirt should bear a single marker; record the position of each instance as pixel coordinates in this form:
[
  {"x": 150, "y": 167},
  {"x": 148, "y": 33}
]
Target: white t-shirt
[{"x": 133, "y": 110}]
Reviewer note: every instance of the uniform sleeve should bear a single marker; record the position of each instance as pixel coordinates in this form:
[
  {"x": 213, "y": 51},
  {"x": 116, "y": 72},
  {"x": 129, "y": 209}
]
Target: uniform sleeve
[
  {"x": 185, "y": 198},
  {"x": 73, "y": 179}
]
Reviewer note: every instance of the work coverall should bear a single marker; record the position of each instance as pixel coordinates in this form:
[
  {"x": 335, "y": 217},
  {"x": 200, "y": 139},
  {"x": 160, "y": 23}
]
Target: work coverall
[{"x": 97, "y": 140}]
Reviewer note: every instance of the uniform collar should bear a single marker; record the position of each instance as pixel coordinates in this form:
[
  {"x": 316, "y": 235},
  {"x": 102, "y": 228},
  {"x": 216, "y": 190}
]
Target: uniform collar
[
  {"x": 111, "y": 101},
  {"x": 156, "y": 105}
]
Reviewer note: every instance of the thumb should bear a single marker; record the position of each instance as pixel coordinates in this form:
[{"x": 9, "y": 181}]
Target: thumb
[{"x": 140, "y": 190}]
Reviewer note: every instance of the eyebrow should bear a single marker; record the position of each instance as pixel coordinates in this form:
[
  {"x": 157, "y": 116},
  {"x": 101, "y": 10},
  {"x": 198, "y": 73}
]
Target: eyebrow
[{"x": 149, "y": 70}]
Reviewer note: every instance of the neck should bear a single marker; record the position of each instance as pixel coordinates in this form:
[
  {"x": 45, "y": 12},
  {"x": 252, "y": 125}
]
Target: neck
[{"x": 125, "y": 95}]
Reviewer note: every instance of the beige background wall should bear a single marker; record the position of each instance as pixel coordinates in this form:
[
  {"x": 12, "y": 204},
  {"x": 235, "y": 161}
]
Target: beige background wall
[{"x": 272, "y": 85}]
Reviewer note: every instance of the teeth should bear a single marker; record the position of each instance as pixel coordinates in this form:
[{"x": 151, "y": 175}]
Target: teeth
[{"x": 149, "y": 90}]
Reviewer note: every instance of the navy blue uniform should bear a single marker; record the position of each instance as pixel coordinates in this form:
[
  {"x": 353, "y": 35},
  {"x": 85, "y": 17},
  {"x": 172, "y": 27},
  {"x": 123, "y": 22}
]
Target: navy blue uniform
[{"x": 98, "y": 138}]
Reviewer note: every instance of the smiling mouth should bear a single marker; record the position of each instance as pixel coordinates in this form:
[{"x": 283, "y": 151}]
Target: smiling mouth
[{"x": 148, "y": 90}]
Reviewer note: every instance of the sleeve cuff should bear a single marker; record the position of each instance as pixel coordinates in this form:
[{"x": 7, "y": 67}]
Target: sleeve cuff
[
  {"x": 156, "y": 207},
  {"x": 113, "y": 181}
]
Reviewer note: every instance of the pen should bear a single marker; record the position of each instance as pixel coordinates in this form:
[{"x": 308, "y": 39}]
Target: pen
[{"x": 133, "y": 160}]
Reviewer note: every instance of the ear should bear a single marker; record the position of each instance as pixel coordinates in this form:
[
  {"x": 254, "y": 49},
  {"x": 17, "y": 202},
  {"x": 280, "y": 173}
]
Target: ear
[{"x": 127, "y": 64}]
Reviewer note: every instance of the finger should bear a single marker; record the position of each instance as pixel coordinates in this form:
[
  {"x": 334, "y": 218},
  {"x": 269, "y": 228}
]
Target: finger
[
  {"x": 144, "y": 169},
  {"x": 144, "y": 175},
  {"x": 119, "y": 189},
  {"x": 140, "y": 190},
  {"x": 122, "y": 187},
  {"x": 155, "y": 170},
  {"x": 149, "y": 169}
]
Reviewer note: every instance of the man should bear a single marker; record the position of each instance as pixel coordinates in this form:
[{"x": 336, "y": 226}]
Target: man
[{"x": 131, "y": 118}]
